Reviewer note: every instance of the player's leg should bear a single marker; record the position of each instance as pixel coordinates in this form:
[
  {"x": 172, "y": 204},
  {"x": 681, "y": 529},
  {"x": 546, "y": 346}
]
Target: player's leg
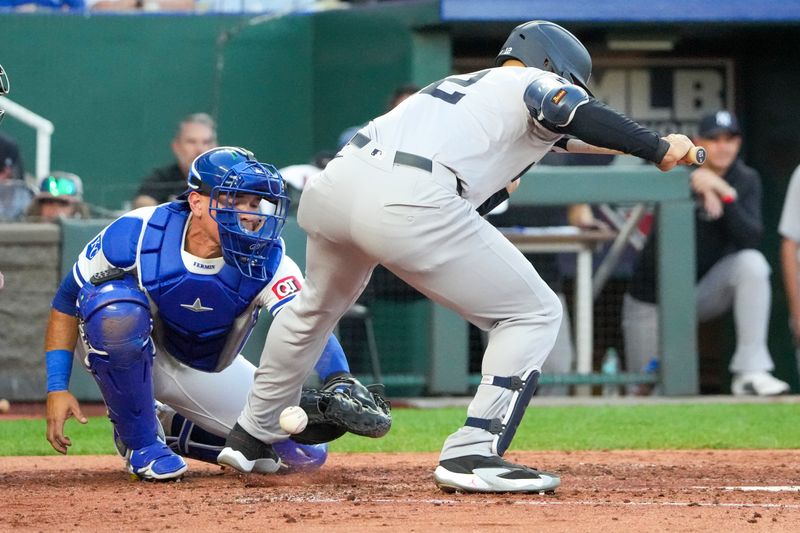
[
  {"x": 640, "y": 329},
  {"x": 457, "y": 259},
  {"x": 335, "y": 277},
  {"x": 741, "y": 281},
  {"x": 115, "y": 324},
  {"x": 562, "y": 357},
  {"x": 200, "y": 408}
]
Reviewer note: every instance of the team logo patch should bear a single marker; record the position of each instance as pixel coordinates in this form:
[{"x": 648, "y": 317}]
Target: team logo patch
[
  {"x": 559, "y": 96},
  {"x": 286, "y": 287},
  {"x": 92, "y": 248}
]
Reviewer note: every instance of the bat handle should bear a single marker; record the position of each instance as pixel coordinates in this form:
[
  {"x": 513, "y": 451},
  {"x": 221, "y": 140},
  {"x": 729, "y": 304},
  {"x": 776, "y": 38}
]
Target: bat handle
[{"x": 697, "y": 155}]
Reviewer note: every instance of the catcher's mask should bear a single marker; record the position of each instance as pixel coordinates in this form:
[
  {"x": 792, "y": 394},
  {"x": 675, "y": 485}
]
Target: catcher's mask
[
  {"x": 549, "y": 47},
  {"x": 249, "y": 204}
]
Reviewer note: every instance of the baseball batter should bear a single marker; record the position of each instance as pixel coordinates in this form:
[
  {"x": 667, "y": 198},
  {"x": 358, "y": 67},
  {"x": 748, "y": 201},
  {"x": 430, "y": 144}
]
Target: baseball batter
[
  {"x": 196, "y": 273},
  {"x": 403, "y": 193}
]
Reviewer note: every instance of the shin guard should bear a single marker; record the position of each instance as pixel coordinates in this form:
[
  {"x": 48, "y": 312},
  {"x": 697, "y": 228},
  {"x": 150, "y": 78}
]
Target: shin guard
[{"x": 505, "y": 428}]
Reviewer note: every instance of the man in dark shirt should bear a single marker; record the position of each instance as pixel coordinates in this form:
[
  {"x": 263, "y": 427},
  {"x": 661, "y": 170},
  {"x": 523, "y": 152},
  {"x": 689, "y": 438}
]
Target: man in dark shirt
[
  {"x": 196, "y": 134},
  {"x": 731, "y": 272}
]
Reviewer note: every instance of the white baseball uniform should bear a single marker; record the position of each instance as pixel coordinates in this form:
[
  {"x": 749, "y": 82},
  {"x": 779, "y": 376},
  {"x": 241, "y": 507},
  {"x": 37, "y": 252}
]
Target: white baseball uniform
[
  {"x": 215, "y": 397},
  {"x": 381, "y": 201}
]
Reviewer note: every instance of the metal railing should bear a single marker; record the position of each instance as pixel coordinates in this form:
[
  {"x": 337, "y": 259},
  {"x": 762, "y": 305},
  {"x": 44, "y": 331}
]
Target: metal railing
[{"x": 44, "y": 132}]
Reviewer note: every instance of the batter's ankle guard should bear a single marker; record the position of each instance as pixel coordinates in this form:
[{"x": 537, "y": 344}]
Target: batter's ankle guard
[{"x": 505, "y": 428}]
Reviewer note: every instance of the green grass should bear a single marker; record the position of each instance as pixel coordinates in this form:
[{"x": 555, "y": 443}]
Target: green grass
[{"x": 686, "y": 426}]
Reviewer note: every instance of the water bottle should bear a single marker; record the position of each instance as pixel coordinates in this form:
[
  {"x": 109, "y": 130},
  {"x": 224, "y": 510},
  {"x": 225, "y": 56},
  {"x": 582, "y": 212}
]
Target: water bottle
[{"x": 610, "y": 368}]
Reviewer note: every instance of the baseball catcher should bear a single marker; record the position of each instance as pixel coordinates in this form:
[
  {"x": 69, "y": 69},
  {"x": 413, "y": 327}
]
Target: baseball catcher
[{"x": 158, "y": 306}]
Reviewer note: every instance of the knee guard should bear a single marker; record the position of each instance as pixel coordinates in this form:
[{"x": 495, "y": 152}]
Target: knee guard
[
  {"x": 115, "y": 323},
  {"x": 505, "y": 428}
]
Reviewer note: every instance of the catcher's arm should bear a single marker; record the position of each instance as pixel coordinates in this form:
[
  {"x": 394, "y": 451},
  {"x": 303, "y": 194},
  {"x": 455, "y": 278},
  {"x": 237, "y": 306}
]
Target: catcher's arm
[{"x": 62, "y": 334}]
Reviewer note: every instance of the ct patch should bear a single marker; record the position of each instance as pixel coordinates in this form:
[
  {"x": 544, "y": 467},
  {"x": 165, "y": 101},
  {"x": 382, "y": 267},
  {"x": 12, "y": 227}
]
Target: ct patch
[
  {"x": 92, "y": 248},
  {"x": 286, "y": 287}
]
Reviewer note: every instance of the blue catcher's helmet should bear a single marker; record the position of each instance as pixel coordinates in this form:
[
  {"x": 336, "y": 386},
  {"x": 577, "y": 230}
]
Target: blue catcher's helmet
[{"x": 248, "y": 202}]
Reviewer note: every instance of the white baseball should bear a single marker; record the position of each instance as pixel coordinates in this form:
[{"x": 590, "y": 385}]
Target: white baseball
[{"x": 293, "y": 420}]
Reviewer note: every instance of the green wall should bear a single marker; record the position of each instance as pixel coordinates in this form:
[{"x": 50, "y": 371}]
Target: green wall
[{"x": 116, "y": 86}]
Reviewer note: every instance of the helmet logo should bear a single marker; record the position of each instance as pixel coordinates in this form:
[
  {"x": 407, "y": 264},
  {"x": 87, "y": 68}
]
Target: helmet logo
[{"x": 506, "y": 51}]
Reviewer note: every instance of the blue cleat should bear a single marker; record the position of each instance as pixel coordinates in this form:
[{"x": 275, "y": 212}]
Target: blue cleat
[
  {"x": 155, "y": 462},
  {"x": 301, "y": 457}
]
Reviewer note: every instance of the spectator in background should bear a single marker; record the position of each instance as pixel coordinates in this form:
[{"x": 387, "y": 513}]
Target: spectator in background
[
  {"x": 196, "y": 134},
  {"x": 59, "y": 195},
  {"x": 789, "y": 229},
  {"x": 731, "y": 272},
  {"x": 395, "y": 99},
  {"x": 14, "y": 194},
  {"x": 297, "y": 176},
  {"x": 30, "y": 5},
  {"x": 99, "y": 5}
]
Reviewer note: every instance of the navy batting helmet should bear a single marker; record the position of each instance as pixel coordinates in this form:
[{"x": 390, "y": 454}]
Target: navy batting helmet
[{"x": 548, "y": 46}]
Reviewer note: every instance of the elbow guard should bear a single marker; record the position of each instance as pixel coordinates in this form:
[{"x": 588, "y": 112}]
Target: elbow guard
[{"x": 553, "y": 101}]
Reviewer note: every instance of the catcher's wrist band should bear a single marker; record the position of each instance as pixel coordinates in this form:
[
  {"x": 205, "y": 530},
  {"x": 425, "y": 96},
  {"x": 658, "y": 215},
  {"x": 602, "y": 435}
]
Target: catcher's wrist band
[{"x": 59, "y": 368}]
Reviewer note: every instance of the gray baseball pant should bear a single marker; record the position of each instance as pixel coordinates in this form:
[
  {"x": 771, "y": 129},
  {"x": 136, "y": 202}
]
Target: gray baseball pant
[
  {"x": 364, "y": 210},
  {"x": 739, "y": 281}
]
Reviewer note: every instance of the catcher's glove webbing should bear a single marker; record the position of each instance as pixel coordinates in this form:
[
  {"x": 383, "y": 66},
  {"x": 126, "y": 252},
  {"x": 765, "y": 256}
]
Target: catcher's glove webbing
[{"x": 344, "y": 404}]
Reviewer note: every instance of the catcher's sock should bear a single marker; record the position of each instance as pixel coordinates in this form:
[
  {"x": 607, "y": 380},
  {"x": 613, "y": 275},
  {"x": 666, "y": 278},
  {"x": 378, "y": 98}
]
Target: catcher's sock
[
  {"x": 477, "y": 473},
  {"x": 247, "y": 454}
]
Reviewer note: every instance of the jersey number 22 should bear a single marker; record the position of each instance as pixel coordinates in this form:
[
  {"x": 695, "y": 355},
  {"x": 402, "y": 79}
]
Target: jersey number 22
[{"x": 452, "y": 98}]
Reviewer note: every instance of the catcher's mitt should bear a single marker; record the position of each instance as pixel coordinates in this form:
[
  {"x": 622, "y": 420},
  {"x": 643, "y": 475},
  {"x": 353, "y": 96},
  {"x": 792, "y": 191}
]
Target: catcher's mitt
[{"x": 344, "y": 404}]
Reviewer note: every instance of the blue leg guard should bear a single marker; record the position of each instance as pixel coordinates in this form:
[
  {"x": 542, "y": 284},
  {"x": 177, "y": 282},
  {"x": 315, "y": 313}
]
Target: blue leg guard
[
  {"x": 116, "y": 324},
  {"x": 187, "y": 439},
  {"x": 504, "y": 429}
]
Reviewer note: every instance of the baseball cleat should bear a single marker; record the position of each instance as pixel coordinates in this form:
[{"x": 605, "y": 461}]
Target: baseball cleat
[
  {"x": 247, "y": 454},
  {"x": 757, "y": 384},
  {"x": 476, "y": 473},
  {"x": 155, "y": 462}
]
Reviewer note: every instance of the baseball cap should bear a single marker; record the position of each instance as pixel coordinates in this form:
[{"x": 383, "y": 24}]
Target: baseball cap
[
  {"x": 718, "y": 123},
  {"x": 60, "y": 186}
]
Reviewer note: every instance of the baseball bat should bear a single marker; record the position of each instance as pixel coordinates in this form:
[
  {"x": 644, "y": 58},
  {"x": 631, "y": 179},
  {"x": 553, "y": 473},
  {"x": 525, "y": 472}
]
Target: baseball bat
[{"x": 697, "y": 155}]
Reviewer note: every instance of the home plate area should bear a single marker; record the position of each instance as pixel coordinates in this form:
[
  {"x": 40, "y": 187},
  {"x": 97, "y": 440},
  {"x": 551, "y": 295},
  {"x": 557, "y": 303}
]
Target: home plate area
[{"x": 600, "y": 491}]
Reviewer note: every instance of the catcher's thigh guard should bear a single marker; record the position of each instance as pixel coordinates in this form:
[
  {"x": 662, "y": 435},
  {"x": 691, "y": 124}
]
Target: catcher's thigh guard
[{"x": 505, "y": 428}]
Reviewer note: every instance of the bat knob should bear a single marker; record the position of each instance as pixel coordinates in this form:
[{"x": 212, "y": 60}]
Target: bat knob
[{"x": 699, "y": 155}]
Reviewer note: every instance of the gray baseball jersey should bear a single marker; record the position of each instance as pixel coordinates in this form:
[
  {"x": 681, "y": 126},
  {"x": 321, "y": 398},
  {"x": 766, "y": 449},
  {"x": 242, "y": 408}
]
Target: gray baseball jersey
[{"x": 392, "y": 197}]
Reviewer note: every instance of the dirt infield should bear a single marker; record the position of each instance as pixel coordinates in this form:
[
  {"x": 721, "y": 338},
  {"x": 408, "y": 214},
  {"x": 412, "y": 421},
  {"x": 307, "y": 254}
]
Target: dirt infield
[{"x": 601, "y": 491}]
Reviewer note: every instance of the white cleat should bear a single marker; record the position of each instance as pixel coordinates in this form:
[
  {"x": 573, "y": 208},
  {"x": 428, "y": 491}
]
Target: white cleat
[
  {"x": 758, "y": 384},
  {"x": 476, "y": 473}
]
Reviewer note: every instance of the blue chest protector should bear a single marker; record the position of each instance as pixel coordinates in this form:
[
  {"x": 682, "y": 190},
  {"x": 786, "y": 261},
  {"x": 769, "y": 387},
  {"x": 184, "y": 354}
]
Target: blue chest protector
[{"x": 197, "y": 311}]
